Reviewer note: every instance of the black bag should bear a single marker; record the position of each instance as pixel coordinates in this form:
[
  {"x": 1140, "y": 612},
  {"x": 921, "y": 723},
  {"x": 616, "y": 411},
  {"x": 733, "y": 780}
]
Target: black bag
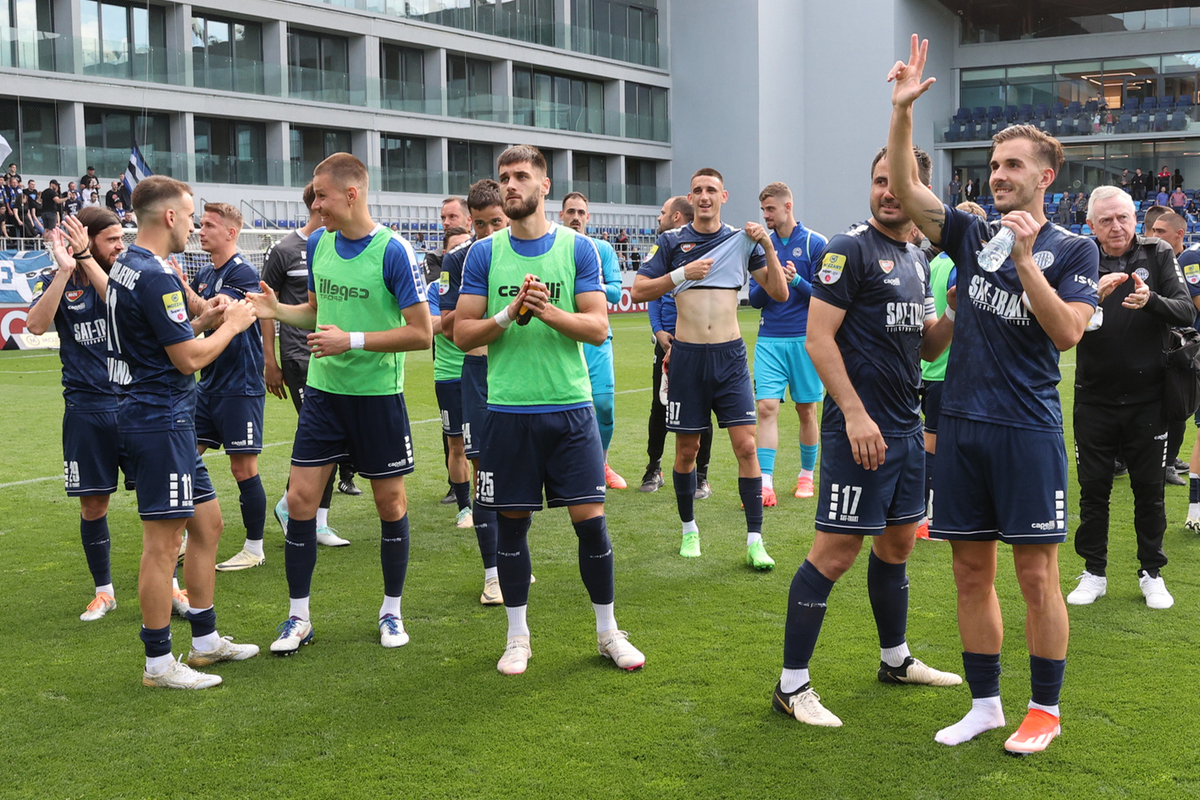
[{"x": 1181, "y": 378}]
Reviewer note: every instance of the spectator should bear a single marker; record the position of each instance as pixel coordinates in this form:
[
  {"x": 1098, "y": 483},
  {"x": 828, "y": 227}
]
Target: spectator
[
  {"x": 1177, "y": 179},
  {"x": 113, "y": 195},
  {"x": 1139, "y": 186},
  {"x": 12, "y": 173},
  {"x": 89, "y": 181},
  {"x": 971, "y": 191},
  {"x": 33, "y": 200},
  {"x": 1162, "y": 198},
  {"x": 954, "y": 189},
  {"x": 72, "y": 203},
  {"x": 93, "y": 200},
  {"x": 1179, "y": 200},
  {"x": 52, "y": 201},
  {"x": 1124, "y": 181},
  {"x": 1164, "y": 179},
  {"x": 1062, "y": 215},
  {"x": 11, "y": 223},
  {"x": 621, "y": 245},
  {"x": 1080, "y": 210},
  {"x": 1191, "y": 212},
  {"x": 30, "y": 226}
]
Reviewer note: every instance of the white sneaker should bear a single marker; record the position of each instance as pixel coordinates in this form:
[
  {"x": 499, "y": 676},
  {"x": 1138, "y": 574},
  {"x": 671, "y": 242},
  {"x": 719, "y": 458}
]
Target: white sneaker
[
  {"x": 101, "y": 604},
  {"x": 1192, "y": 523},
  {"x": 805, "y": 705},
  {"x": 1090, "y": 589},
  {"x": 179, "y": 602},
  {"x": 614, "y": 645},
  {"x": 293, "y": 632},
  {"x": 391, "y": 631},
  {"x": 1155, "y": 591},
  {"x": 225, "y": 651},
  {"x": 492, "y": 596},
  {"x": 516, "y": 656},
  {"x": 329, "y": 537},
  {"x": 281, "y": 514},
  {"x": 243, "y": 560},
  {"x": 180, "y": 676},
  {"x": 464, "y": 519}
]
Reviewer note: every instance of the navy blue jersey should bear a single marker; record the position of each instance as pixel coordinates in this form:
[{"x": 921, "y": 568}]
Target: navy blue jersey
[
  {"x": 1189, "y": 263},
  {"x": 734, "y": 255},
  {"x": 238, "y": 371},
  {"x": 883, "y": 286},
  {"x": 450, "y": 284},
  {"x": 401, "y": 272},
  {"x": 146, "y": 313},
  {"x": 479, "y": 262},
  {"x": 1003, "y": 368},
  {"x": 789, "y": 319},
  {"x": 82, "y": 325}
]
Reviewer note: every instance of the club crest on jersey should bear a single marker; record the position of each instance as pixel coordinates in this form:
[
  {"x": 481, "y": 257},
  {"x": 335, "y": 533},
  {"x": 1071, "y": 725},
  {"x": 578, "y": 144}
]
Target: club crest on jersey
[
  {"x": 203, "y": 286},
  {"x": 832, "y": 266},
  {"x": 1043, "y": 259},
  {"x": 797, "y": 252},
  {"x": 886, "y": 266},
  {"x": 73, "y": 296},
  {"x": 1191, "y": 273},
  {"x": 173, "y": 303},
  {"x": 687, "y": 248},
  {"x": 1141, "y": 273}
]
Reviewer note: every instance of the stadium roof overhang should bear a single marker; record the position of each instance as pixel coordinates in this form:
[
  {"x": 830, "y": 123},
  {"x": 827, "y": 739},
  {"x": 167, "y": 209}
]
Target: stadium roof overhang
[{"x": 984, "y": 12}]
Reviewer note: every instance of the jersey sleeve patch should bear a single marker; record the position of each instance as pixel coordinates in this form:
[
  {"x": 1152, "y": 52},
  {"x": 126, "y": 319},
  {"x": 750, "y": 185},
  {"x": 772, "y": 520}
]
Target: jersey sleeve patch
[
  {"x": 832, "y": 266},
  {"x": 1191, "y": 273},
  {"x": 176, "y": 309}
]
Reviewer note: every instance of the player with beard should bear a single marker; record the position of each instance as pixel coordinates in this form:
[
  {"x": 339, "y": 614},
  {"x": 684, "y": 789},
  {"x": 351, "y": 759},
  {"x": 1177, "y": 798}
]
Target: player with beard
[
  {"x": 1001, "y": 468},
  {"x": 73, "y": 301},
  {"x": 541, "y": 432}
]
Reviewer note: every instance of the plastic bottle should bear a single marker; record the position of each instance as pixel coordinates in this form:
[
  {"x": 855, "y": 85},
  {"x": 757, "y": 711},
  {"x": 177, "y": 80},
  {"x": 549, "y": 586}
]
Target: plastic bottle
[{"x": 996, "y": 251}]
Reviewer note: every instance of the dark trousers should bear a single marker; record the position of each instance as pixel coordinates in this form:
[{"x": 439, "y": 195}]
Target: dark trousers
[
  {"x": 658, "y": 425},
  {"x": 1139, "y": 433},
  {"x": 1176, "y": 431}
]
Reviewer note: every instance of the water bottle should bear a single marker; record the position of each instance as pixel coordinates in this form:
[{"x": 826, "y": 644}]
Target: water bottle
[{"x": 994, "y": 253}]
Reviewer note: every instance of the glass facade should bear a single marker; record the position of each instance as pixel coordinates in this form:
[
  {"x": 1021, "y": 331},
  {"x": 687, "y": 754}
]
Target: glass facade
[
  {"x": 230, "y": 151},
  {"x": 227, "y": 55},
  {"x": 31, "y": 128},
  {"x": 626, "y": 31},
  {"x": 402, "y": 76},
  {"x": 110, "y": 134},
  {"x": 318, "y": 67},
  {"x": 563, "y": 102},
  {"x": 311, "y": 146},
  {"x": 591, "y": 176},
  {"x": 28, "y": 40},
  {"x": 1029, "y": 20},
  {"x": 646, "y": 112},
  {"x": 641, "y": 182},
  {"x": 402, "y": 164},
  {"x": 469, "y": 90},
  {"x": 468, "y": 162},
  {"x": 123, "y": 41}
]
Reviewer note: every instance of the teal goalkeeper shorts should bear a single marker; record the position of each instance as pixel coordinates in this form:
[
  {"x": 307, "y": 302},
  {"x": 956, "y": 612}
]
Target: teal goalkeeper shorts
[{"x": 784, "y": 364}]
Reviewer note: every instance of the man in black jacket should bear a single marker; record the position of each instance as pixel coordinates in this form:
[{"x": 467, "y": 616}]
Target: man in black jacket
[{"x": 1119, "y": 392}]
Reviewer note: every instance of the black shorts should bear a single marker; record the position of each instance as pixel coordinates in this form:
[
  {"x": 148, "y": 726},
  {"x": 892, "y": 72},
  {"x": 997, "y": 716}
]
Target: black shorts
[
  {"x": 854, "y": 499},
  {"x": 449, "y": 398},
  {"x": 474, "y": 403},
  {"x": 295, "y": 377},
  {"x": 523, "y": 454},
  {"x": 233, "y": 422},
  {"x": 707, "y": 378},
  {"x": 92, "y": 453},
  {"x": 369, "y": 430}
]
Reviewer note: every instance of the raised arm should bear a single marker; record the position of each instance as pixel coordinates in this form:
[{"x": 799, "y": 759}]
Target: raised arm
[
  {"x": 771, "y": 276},
  {"x": 917, "y": 200}
]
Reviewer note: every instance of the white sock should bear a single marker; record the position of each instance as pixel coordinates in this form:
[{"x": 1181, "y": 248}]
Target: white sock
[
  {"x": 805, "y": 473},
  {"x": 768, "y": 480},
  {"x": 691, "y": 527},
  {"x": 254, "y": 546},
  {"x": 207, "y": 642},
  {"x": 1051, "y": 710},
  {"x": 106, "y": 588},
  {"x": 516, "y": 621},
  {"x": 894, "y": 656},
  {"x": 391, "y": 605},
  {"x": 792, "y": 679},
  {"x": 298, "y": 607},
  {"x": 157, "y": 665},
  {"x": 606, "y": 457},
  {"x": 752, "y": 537},
  {"x": 322, "y": 517},
  {"x": 986, "y": 713},
  {"x": 283, "y": 502},
  {"x": 175, "y": 584},
  {"x": 605, "y": 621},
  {"x": 490, "y": 573}
]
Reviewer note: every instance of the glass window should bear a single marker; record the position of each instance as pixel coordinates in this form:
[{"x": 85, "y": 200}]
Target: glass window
[
  {"x": 402, "y": 162},
  {"x": 468, "y": 162},
  {"x": 230, "y": 151}
]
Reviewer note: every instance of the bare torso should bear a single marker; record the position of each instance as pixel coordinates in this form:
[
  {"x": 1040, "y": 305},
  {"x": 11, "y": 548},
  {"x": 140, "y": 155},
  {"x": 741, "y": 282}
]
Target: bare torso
[{"x": 707, "y": 316}]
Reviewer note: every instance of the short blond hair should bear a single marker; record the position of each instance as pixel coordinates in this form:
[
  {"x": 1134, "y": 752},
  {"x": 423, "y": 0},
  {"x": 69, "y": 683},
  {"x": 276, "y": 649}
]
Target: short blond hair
[
  {"x": 227, "y": 212},
  {"x": 345, "y": 169},
  {"x": 779, "y": 190},
  {"x": 972, "y": 208}
]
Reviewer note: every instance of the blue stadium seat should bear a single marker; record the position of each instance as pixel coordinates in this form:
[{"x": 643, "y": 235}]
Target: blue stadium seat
[
  {"x": 1149, "y": 103},
  {"x": 1073, "y": 107},
  {"x": 1085, "y": 230},
  {"x": 1179, "y": 120},
  {"x": 1024, "y": 113},
  {"x": 1075, "y": 228},
  {"x": 1160, "y": 122},
  {"x": 1130, "y": 104},
  {"x": 963, "y": 114},
  {"x": 1140, "y": 228},
  {"x": 1010, "y": 113}
]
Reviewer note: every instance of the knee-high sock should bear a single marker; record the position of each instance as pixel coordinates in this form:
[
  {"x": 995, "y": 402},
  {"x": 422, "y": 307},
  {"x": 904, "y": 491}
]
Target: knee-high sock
[
  {"x": 327, "y": 495},
  {"x": 806, "y": 612},
  {"x": 462, "y": 493},
  {"x": 929, "y": 459},
  {"x": 887, "y": 586},
  {"x": 253, "y": 500},
  {"x": 156, "y": 640},
  {"x": 203, "y": 622},
  {"x": 808, "y": 457},
  {"x": 485, "y": 534},
  {"x": 96, "y": 546},
  {"x": 393, "y": 555},
  {"x": 766, "y": 460},
  {"x": 750, "y": 490},
  {"x": 606, "y": 416},
  {"x": 685, "y": 494},
  {"x": 596, "y": 559},
  {"x": 300, "y": 556},
  {"x": 983, "y": 674},
  {"x": 1046, "y": 679},
  {"x": 513, "y": 565}
]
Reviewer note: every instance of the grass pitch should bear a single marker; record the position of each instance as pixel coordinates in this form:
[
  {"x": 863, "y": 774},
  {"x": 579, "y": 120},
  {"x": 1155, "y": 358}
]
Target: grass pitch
[{"x": 346, "y": 718}]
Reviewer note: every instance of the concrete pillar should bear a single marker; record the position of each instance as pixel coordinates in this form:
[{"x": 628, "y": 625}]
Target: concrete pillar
[
  {"x": 615, "y": 165},
  {"x": 68, "y": 24},
  {"x": 71, "y": 139},
  {"x": 364, "y": 71},
  {"x": 279, "y": 154},
  {"x": 183, "y": 145},
  {"x": 436, "y": 83},
  {"x": 179, "y": 45},
  {"x": 502, "y": 90},
  {"x": 437, "y": 158},
  {"x": 275, "y": 58},
  {"x": 614, "y": 108}
]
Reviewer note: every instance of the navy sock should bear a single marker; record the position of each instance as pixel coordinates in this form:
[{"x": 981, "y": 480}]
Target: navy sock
[
  {"x": 751, "y": 491},
  {"x": 300, "y": 556},
  {"x": 462, "y": 493},
  {"x": 887, "y": 586},
  {"x": 685, "y": 494},
  {"x": 156, "y": 640},
  {"x": 1193, "y": 490},
  {"x": 513, "y": 565},
  {"x": 485, "y": 534},
  {"x": 983, "y": 674},
  {"x": 393, "y": 554},
  {"x": 1046, "y": 679},
  {"x": 253, "y": 500},
  {"x": 596, "y": 560},
  {"x": 203, "y": 622},
  {"x": 929, "y": 457},
  {"x": 806, "y": 612},
  {"x": 96, "y": 545}
]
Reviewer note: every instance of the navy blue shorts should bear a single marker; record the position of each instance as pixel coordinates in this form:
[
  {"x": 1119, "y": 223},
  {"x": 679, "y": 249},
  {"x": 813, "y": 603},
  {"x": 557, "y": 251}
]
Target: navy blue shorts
[
  {"x": 707, "y": 378},
  {"x": 931, "y": 404},
  {"x": 171, "y": 477},
  {"x": 449, "y": 398},
  {"x": 474, "y": 403},
  {"x": 92, "y": 453},
  {"x": 854, "y": 499},
  {"x": 996, "y": 482},
  {"x": 524, "y": 453},
  {"x": 371, "y": 431},
  {"x": 235, "y": 422}
]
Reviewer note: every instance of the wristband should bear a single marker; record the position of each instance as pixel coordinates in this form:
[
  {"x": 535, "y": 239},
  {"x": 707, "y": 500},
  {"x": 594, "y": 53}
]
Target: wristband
[
  {"x": 502, "y": 318},
  {"x": 795, "y": 281},
  {"x": 358, "y": 340},
  {"x": 677, "y": 276},
  {"x": 948, "y": 313},
  {"x": 83, "y": 255}
]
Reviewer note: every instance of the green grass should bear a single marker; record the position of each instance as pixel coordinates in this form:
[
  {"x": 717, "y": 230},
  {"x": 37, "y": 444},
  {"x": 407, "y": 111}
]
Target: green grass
[{"x": 434, "y": 719}]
